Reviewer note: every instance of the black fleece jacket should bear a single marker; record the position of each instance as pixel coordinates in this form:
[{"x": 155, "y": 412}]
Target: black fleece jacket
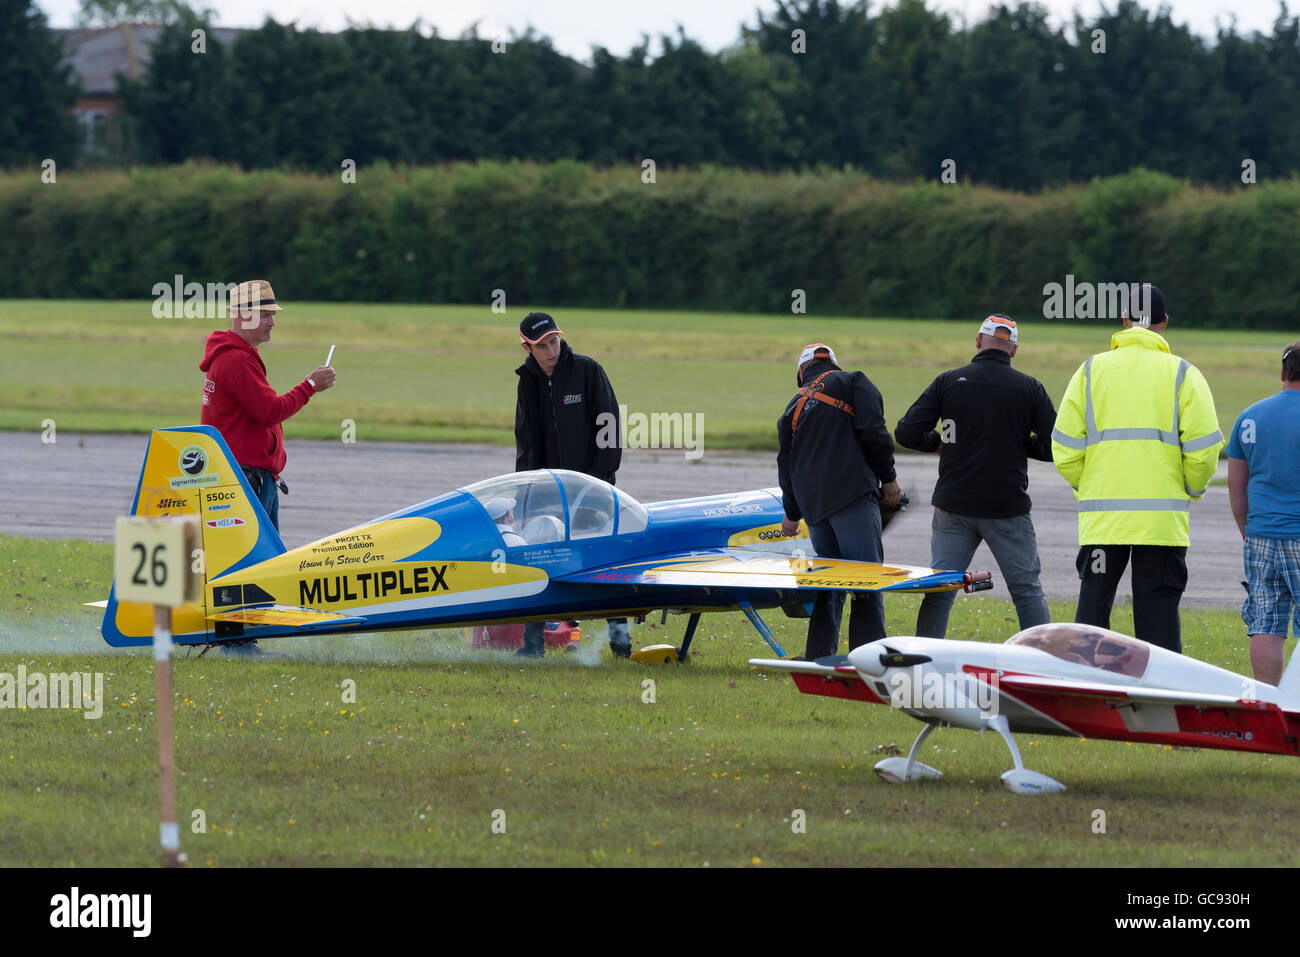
[
  {"x": 577, "y": 394},
  {"x": 996, "y": 418}
]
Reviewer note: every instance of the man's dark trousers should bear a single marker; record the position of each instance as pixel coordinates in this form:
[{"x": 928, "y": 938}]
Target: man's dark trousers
[
  {"x": 267, "y": 492},
  {"x": 1159, "y": 578},
  {"x": 851, "y": 532}
]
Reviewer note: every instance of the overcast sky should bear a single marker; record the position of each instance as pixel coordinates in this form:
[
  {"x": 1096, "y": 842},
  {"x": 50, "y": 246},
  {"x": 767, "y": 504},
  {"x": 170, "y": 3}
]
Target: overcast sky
[{"x": 575, "y": 26}]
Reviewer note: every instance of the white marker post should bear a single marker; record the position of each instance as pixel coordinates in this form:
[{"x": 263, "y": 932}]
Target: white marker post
[
  {"x": 170, "y": 832},
  {"x": 152, "y": 566}
]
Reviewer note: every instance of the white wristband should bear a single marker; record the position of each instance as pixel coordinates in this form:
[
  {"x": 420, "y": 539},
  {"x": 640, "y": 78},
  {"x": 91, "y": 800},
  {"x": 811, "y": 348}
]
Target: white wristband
[{"x": 312, "y": 381}]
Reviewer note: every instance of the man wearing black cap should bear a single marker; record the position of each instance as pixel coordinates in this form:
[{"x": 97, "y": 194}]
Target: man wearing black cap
[
  {"x": 562, "y": 396},
  {"x": 836, "y": 466},
  {"x": 991, "y": 419},
  {"x": 1137, "y": 438}
]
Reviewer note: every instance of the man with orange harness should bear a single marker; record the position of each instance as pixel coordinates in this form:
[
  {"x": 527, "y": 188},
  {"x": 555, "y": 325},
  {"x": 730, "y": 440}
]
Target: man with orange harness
[{"x": 836, "y": 467}]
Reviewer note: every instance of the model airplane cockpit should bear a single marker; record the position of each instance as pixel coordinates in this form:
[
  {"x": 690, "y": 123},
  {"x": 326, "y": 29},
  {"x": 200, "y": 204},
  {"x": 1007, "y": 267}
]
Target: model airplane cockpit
[
  {"x": 1086, "y": 645},
  {"x": 552, "y": 505}
]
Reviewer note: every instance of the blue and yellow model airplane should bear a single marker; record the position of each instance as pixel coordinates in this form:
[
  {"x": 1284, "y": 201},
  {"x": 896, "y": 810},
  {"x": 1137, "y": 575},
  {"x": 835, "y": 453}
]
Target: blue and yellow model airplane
[{"x": 542, "y": 545}]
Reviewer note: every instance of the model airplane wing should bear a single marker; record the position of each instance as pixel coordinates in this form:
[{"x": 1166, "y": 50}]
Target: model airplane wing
[
  {"x": 742, "y": 568},
  {"x": 833, "y": 666},
  {"x": 272, "y": 615},
  {"x": 832, "y": 677},
  {"x": 1069, "y": 687},
  {"x": 830, "y": 667},
  {"x": 1158, "y": 715},
  {"x": 837, "y": 667},
  {"x": 284, "y": 615}
]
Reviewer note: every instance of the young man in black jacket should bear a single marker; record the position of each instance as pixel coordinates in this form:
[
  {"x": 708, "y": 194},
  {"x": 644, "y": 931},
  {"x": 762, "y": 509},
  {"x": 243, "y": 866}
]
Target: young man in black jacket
[
  {"x": 562, "y": 396},
  {"x": 835, "y": 466},
  {"x": 990, "y": 419}
]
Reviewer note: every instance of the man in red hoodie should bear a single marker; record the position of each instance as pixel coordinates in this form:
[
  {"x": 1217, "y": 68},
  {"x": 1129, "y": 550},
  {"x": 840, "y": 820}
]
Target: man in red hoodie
[{"x": 241, "y": 404}]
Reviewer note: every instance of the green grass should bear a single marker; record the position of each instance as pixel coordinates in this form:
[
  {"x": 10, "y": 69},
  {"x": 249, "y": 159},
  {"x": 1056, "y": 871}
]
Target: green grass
[
  {"x": 446, "y": 372},
  {"x": 440, "y": 737}
]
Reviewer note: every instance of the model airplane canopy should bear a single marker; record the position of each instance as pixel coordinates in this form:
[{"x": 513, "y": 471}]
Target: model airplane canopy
[
  {"x": 1086, "y": 645},
  {"x": 557, "y": 505}
]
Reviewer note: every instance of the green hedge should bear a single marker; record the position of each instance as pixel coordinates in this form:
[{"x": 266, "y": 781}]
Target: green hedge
[{"x": 710, "y": 239}]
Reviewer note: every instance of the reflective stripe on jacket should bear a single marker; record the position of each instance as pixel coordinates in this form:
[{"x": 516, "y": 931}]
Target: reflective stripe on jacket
[{"x": 1137, "y": 438}]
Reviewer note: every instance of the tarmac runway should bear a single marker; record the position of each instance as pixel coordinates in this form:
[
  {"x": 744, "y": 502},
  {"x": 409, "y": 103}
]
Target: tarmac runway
[{"x": 78, "y": 485}]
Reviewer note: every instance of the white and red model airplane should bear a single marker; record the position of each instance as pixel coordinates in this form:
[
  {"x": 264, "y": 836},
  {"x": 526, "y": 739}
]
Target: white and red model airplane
[{"x": 1065, "y": 679}]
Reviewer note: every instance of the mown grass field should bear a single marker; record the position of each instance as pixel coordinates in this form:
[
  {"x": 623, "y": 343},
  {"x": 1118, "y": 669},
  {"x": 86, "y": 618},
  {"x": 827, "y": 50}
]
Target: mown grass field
[
  {"x": 442, "y": 742},
  {"x": 446, "y": 372}
]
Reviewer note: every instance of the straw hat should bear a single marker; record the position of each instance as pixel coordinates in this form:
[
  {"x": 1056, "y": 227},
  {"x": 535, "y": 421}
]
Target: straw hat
[{"x": 254, "y": 294}]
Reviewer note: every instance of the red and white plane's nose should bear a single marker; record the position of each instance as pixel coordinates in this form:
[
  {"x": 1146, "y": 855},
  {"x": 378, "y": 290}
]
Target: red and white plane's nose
[{"x": 867, "y": 659}]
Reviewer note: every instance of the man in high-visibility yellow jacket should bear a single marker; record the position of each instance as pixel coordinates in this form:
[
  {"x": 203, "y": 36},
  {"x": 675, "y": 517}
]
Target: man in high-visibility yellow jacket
[{"x": 1137, "y": 438}]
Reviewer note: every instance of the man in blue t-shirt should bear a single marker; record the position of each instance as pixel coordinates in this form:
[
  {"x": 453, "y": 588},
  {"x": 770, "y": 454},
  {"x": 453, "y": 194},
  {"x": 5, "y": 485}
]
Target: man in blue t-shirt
[{"x": 1264, "y": 489}]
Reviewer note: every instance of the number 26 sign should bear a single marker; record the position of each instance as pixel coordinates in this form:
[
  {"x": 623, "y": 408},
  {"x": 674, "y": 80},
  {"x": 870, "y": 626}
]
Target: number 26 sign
[{"x": 152, "y": 562}]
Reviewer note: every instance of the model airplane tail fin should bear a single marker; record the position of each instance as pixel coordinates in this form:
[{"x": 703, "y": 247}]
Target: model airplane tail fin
[
  {"x": 1290, "y": 683},
  {"x": 831, "y": 676},
  {"x": 190, "y": 471}
]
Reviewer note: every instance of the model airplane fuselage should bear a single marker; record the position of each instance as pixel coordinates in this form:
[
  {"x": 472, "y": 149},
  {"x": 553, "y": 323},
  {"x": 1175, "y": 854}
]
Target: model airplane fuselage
[
  {"x": 1063, "y": 679},
  {"x": 531, "y": 546}
]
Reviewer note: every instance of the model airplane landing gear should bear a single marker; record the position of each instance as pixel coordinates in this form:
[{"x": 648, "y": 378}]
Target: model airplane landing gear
[
  {"x": 901, "y": 770},
  {"x": 1020, "y": 779},
  {"x": 766, "y": 633},
  {"x": 667, "y": 654}
]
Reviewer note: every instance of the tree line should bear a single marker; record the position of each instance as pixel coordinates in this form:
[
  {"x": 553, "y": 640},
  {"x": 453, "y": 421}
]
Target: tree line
[
  {"x": 822, "y": 242},
  {"x": 901, "y": 93}
]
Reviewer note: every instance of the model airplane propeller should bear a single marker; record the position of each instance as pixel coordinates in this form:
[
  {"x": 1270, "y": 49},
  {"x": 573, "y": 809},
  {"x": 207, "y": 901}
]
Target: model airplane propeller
[
  {"x": 532, "y": 546},
  {"x": 1063, "y": 679}
]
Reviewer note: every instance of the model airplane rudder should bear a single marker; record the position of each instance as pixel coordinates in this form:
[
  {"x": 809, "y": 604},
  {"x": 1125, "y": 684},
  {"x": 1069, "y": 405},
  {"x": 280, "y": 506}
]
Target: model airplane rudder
[
  {"x": 190, "y": 471},
  {"x": 1290, "y": 683}
]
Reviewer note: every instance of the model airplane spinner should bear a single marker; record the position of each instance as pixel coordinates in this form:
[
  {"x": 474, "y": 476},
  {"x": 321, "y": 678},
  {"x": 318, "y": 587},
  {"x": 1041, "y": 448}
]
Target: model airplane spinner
[
  {"x": 1063, "y": 679},
  {"x": 542, "y": 545}
]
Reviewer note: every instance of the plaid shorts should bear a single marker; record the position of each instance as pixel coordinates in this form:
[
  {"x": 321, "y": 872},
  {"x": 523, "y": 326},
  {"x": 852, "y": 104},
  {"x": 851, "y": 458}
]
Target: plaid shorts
[{"x": 1273, "y": 584}]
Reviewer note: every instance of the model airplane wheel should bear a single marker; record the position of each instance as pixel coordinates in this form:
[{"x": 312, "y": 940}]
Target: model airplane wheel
[
  {"x": 1024, "y": 781},
  {"x": 655, "y": 655},
  {"x": 895, "y": 770}
]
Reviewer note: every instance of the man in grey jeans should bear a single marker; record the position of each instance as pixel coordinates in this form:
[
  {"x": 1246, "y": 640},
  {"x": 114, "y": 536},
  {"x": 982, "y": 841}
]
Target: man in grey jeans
[{"x": 984, "y": 419}]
